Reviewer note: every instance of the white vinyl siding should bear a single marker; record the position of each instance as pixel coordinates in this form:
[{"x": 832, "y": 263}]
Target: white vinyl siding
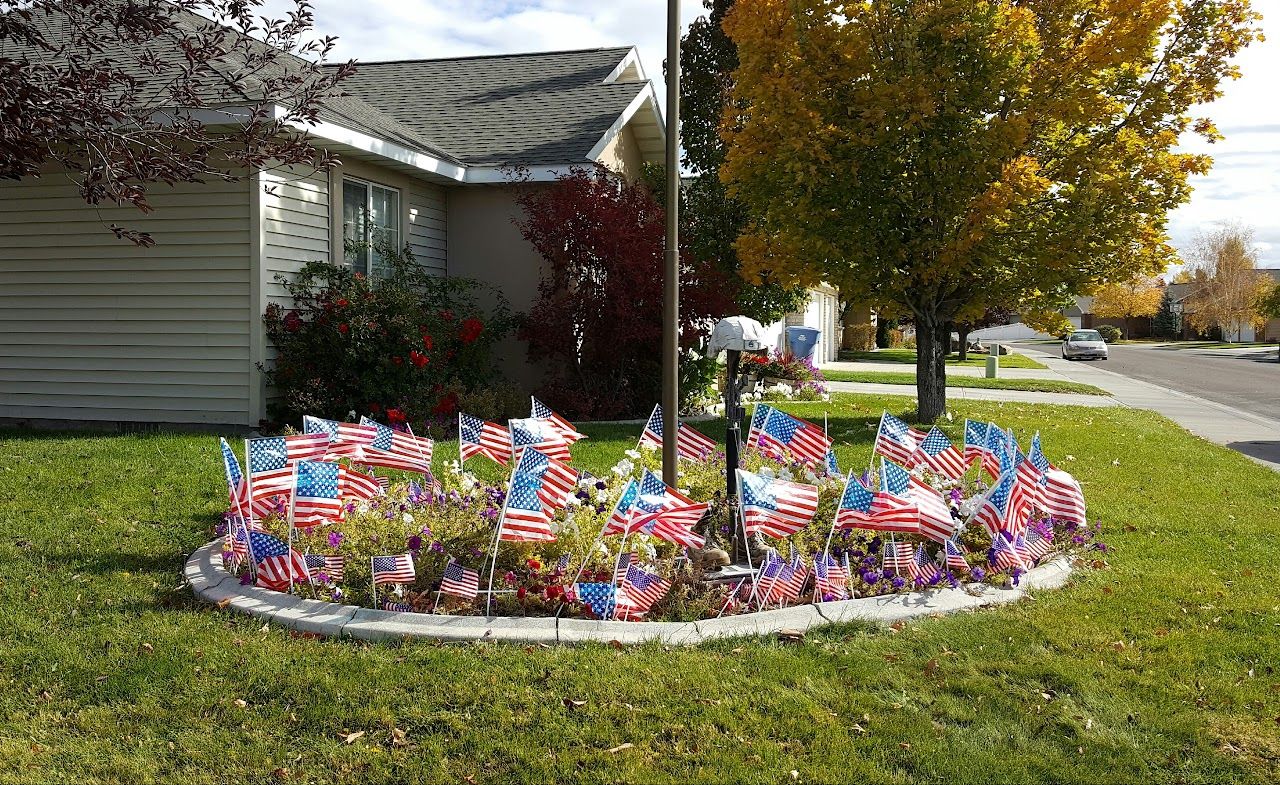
[
  {"x": 295, "y": 227},
  {"x": 96, "y": 328},
  {"x": 427, "y": 226}
]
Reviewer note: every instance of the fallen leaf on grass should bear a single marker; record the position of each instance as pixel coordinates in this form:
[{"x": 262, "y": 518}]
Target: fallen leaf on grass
[
  {"x": 626, "y": 745},
  {"x": 570, "y": 703},
  {"x": 350, "y": 738},
  {"x": 856, "y": 728},
  {"x": 147, "y": 647},
  {"x": 399, "y": 738},
  {"x": 241, "y": 703},
  {"x": 930, "y": 667},
  {"x": 906, "y": 745},
  {"x": 103, "y": 677},
  {"x": 617, "y": 644}
]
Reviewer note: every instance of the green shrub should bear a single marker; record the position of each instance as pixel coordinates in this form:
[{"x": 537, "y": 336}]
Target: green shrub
[
  {"x": 1109, "y": 334},
  {"x": 408, "y": 348}
]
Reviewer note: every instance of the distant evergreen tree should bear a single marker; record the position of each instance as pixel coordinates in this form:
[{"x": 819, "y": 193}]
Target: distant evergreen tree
[{"x": 1166, "y": 324}]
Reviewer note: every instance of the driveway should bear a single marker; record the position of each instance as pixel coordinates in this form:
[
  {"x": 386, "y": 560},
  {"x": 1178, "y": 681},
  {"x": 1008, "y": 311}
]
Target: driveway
[{"x": 1247, "y": 379}]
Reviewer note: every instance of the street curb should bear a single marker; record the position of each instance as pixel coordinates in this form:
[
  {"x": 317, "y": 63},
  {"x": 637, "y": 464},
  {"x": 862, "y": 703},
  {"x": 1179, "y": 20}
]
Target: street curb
[{"x": 210, "y": 583}]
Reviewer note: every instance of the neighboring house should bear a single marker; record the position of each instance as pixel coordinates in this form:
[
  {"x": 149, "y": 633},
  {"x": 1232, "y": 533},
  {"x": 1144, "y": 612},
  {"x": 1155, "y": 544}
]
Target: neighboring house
[
  {"x": 1180, "y": 294},
  {"x": 822, "y": 311},
  {"x": 1081, "y": 316},
  {"x": 97, "y": 329}
]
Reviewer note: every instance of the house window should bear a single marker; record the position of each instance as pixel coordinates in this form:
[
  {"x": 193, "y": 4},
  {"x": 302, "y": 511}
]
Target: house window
[{"x": 370, "y": 226}]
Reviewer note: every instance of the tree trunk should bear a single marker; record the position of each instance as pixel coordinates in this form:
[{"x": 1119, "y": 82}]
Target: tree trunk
[
  {"x": 931, "y": 368},
  {"x": 963, "y": 332}
]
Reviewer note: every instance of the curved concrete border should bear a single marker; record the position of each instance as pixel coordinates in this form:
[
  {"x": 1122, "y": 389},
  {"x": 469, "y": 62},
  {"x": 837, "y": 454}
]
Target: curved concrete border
[{"x": 212, "y": 584}]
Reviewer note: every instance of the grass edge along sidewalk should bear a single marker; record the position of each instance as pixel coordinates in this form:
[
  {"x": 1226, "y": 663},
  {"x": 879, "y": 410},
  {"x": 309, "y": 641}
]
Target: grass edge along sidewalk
[
  {"x": 976, "y": 382},
  {"x": 1153, "y": 668},
  {"x": 908, "y": 357}
]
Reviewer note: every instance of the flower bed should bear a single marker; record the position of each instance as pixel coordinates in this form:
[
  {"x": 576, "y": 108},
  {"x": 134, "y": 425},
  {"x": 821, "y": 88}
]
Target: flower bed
[{"x": 452, "y": 516}]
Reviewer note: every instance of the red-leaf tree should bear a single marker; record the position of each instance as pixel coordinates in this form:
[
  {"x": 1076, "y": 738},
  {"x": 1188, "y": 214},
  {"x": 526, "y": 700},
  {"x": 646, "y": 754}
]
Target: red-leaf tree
[
  {"x": 119, "y": 95},
  {"x": 596, "y": 327}
]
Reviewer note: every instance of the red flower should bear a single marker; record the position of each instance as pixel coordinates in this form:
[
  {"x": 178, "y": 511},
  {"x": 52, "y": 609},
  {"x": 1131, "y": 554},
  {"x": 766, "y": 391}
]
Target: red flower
[
  {"x": 398, "y": 360},
  {"x": 418, "y": 358},
  {"x": 359, "y": 276},
  {"x": 534, "y": 564},
  {"x": 375, "y": 408},
  {"x": 396, "y": 417},
  {"x": 343, "y": 328},
  {"x": 447, "y": 405},
  {"x": 343, "y": 302},
  {"x": 447, "y": 315},
  {"x": 520, "y": 592},
  {"x": 292, "y": 321},
  {"x": 471, "y": 329},
  {"x": 427, "y": 342}
]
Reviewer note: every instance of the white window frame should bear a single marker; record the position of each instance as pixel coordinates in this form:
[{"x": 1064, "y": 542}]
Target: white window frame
[{"x": 369, "y": 186}]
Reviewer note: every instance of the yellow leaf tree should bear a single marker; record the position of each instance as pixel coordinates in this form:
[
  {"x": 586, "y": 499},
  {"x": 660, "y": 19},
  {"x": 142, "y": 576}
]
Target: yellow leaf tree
[
  {"x": 945, "y": 156},
  {"x": 1228, "y": 291},
  {"x": 1129, "y": 300}
]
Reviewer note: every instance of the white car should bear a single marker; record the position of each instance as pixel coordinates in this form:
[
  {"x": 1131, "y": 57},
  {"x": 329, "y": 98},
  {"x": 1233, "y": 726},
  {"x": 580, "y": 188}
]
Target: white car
[{"x": 1084, "y": 345}]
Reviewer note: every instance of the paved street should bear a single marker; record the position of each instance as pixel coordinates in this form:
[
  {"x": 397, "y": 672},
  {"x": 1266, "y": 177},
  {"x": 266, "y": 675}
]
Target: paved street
[
  {"x": 1247, "y": 379},
  {"x": 1225, "y": 396}
]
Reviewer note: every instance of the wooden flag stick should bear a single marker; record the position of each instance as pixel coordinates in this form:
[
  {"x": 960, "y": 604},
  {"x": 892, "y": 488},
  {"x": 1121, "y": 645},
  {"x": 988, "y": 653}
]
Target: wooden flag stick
[{"x": 502, "y": 519}]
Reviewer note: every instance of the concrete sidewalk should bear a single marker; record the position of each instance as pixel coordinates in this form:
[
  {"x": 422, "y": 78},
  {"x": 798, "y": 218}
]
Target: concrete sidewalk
[
  {"x": 952, "y": 370},
  {"x": 1255, "y": 436},
  {"x": 978, "y": 394}
]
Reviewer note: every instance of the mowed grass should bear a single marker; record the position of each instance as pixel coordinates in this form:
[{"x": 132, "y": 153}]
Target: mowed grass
[
  {"x": 1028, "y": 385},
  {"x": 908, "y": 356},
  {"x": 1158, "y": 668}
]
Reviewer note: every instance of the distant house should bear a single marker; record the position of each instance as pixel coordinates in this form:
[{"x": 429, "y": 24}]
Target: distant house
[
  {"x": 1180, "y": 294},
  {"x": 1081, "y": 315},
  {"x": 96, "y": 329}
]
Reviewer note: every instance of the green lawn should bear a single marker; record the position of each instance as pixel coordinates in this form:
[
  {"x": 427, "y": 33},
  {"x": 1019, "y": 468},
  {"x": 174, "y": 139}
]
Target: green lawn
[
  {"x": 908, "y": 356},
  {"x": 1032, "y": 385},
  {"x": 1158, "y": 668}
]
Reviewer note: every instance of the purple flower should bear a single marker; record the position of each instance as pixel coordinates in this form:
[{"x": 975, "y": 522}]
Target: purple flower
[
  {"x": 221, "y": 529},
  {"x": 601, "y": 486},
  {"x": 828, "y": 596},
  {"x": 337, "y": 592},
  {"x": 437, "y": 547},
  {"x": 226, "y": 556},
  {"x": 897, "y": 582},
  {"x": 415, "y": 543},
  {"x": 509, "y": 578},
  {"x": 978, "y": 573},
  {"x": 489, "y": 513},
  {"x": 335, "y": 539},
  {"x": 321, "y": 577},
  {"x": 600, "y": 509},
  {"x": 246, "y": 579},
  {"x": 1016, "y": 574}
]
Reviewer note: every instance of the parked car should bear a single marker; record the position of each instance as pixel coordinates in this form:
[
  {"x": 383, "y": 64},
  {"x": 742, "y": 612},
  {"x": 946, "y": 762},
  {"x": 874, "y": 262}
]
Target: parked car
[{"x": 1084, "y": 345}]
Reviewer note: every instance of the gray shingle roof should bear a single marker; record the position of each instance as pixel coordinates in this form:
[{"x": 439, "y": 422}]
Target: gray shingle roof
[{"x": 521, "y": 109}]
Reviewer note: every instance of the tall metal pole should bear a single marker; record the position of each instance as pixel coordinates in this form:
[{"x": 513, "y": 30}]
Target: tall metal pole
[{"x": 671, "y": 279}]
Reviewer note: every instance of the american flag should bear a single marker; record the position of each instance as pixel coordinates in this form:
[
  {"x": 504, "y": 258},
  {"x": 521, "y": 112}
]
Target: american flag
[
  {"x": 316, "y": 497},
  {"x": 899, "y": 557},
  {"x": 271, "y": 461},
  {"x": 773, "y": 570},
  {"x": 481, "y": 437},
  {"x": 936, "y": 522},
  {"x": 638, "y": 592},
  {"x": 952, "y": 555},
  {"x": 665, "y": 513},
  {"x": 237, "y": 488},
  {"x": 937, "y": 453},
  {"x": 896, "y": 440},
  {"x": 541, "y": 411},
  {"x": 278, "y": 564},
  {"x": 459, "y": 581},
  {"x": 333, "y": 567},
  {"x": 562, "y": 564},
  {"x": 1003, "y": 555},
  {"x": 833, "y": 469},
  {"x": 783, "y": 433},
  {"x": 690, "y": 444},
  {"x": 392, "y": 569},
  {"x": 1031, "y": 546},
  {"x": 775, "y": 508},
  {"x": 540, "y": 434},
  {"x": 237, "y": 541},
  {"x": 996, "y": 450},
  {"x": 975, "y": 441},
  {"x": 346, "y": 439},
  {"x": 617, "y": 522},
  {"x": 596, "y": 596},
  {"x": 830, "y": 577},
  {"x": 526, "y": 517},
  {"x": 396, "y": 607},
  {"x": 1060, "y": 494},
  {"x": 558, "y": 479},
  {"x": 864, "y": 509},
  {"x": 1028, "y": 487},
  {"x": 356, "y": 485},
  {"x": 924, "y": 568},
  {"x": 625, "y": 560},
  {"x": 758, "y": 418},
  {"x": 797, "y": 574},
  {"x": 994, "y": 512},
  {"x": 397, "y": 449}
]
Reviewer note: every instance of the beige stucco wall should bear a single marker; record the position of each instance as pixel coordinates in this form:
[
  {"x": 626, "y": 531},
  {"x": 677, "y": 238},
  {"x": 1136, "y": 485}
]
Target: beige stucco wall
[
  {"x": 484, "y": 243},
  {"x": 623, "y": 155}
]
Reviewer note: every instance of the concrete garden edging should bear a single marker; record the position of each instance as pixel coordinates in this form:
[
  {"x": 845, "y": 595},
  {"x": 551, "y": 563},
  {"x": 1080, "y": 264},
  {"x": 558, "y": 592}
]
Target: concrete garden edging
[{"x": 214, "y": 585}]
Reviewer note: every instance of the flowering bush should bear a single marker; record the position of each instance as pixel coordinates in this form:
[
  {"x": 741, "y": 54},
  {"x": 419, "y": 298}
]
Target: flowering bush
[
  {"x": 406, "y": 349},
  {"x": 780, "y": 365}
]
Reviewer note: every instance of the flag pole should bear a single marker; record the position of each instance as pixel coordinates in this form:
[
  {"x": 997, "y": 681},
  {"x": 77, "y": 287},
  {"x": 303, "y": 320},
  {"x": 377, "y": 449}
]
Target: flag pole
[
  {"x": 671, "y": 266},
  {"x": 462, "y": 461},
  {"x": 582, "y": 567},
  {"x": 293, "y": 498},
  {"x": 502, "y": 519},
  {"x": 373, "y": 585},
  {"x": 876, "y": 444}
]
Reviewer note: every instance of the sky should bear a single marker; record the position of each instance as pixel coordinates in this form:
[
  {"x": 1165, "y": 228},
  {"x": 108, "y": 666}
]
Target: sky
[{"x": 1244, "y": 185}]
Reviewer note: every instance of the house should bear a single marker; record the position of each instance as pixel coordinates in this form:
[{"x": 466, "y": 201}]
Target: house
[
  {"x": 1080, "y": 314},
  {"x": 97, "y": 329},
  {"x": 1180, "y": 294}
]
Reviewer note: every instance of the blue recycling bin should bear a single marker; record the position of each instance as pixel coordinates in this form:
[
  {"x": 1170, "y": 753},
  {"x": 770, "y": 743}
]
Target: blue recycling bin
[{"x": 803, "y": 341}]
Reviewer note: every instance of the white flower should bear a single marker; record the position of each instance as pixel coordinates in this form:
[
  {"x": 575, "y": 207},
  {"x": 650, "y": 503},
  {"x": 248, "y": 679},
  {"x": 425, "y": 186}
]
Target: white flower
[
  {"x": 644, "y": 446},
  {"x": 784, "y": 474},
  {"x": 632, "y": 454},
  {"x": 572, "y": 501},
  {"x": 651, "y": 551},
  {"x": 468, "y": 482},
  {"x": 398, "y": 590},
  {"x": 623, "y": 468},
  {"x": 602, "y": 548},
  {"x": 810, "y": 476},
  {"x": 766, "y": 471},
  {"x": 351, "y": 415},
  {"x": 362, "y": 507},
  {"x": 408, "y": 517}
]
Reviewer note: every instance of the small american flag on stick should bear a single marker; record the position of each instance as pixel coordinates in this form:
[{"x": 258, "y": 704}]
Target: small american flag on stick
[
  {"x": 397, "y": 449},
  {"x": 542, "y": 411},
  {"x": 392, "y": 569},
  {"x": 775, "y": 508},
  {"x": 690, "y": 444},
  {"x": 481, "y": 437},
  {"x": 458, "y": 581}
]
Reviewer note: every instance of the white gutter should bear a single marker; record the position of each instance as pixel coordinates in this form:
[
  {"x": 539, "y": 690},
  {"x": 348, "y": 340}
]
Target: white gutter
[{"x": 645, "y": 96}]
